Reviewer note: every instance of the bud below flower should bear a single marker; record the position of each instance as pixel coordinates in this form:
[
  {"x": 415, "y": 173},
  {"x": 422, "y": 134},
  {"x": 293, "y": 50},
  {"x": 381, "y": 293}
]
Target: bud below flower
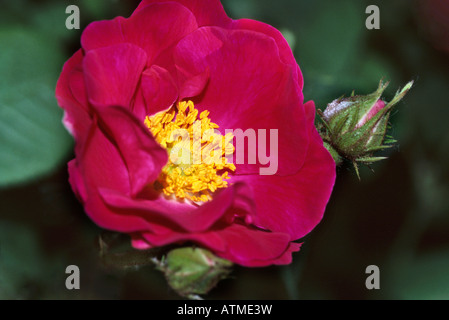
[
  {"x": 193, "y": 271},
  {"x": 355, "y": 127}
]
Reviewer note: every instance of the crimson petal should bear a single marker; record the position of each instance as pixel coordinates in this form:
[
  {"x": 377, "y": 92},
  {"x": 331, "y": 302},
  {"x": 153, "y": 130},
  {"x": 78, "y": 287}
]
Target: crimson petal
[
  {"x": 159, "y": 89},
  {"x": 143, "y": 156},
  {"x": 157, "y": 27},
  {"x": 238, "y": 243},
  {"x": 295, "y": 204},
  {"x": 76, "y": 115},
  {"x": 285, "y": 51},
  {"x": 182, "y": 216},
  {"x": 207, "y": 13},
  {"x": 255, "y": 248},
  {"x": 103, "y": 33},
  {"x": 112, "y": 73}
]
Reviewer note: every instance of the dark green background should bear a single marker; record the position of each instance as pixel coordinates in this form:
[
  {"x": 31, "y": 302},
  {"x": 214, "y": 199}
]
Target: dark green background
[{"x": 396, "y": 218}]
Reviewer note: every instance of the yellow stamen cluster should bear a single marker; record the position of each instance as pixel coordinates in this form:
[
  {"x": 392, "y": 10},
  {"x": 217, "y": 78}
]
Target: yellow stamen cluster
[{"x": 196, "y": 152}]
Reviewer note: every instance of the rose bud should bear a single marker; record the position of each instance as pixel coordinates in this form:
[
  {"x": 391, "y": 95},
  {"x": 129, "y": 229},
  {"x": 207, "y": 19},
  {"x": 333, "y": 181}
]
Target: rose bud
[
  {"x": 194, "y": 271},
  {"x": 355, "y": 127}
]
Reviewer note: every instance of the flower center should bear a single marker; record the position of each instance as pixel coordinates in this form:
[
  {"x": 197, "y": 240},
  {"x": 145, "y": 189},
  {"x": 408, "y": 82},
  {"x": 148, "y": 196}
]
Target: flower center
[{"x": 198, "y": 163}]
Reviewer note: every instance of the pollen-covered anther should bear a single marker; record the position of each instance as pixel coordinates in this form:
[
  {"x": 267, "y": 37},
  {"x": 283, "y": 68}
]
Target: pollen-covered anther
[{"x": 198, "y": 164}]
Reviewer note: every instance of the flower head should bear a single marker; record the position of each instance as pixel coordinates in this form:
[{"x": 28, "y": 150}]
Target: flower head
[{"x": 190, "y": 127}]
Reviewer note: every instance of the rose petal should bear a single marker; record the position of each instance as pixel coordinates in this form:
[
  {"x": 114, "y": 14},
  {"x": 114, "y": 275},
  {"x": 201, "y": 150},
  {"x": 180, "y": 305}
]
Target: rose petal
[
  {"x": 78, "y": 86},
  {"x": 284, "y": 259},
  {"x": 112, "y": 74},
  {"x": 211, "y": 239},
  {"x": 144, "y": 158},
  {"x": 159, "y": 89},
  {"x": 207, "y": 13},
  {"x": 194, "y": 85},
  {"x": 157, "y": 27},
  {"x": 295, "y": 204},
  {"x": 76, "y": 116},
  {"x": 237, "y": 243},
  {"x": 139, "y": 105},
  {"x": 285, "y": 51},
  {"x": 101, "y": 164},
  {"x": 139, "y": 243},
  {"x": 106, "y": 218},
  {"x": 182, "y": 216},
  {"x": 245, "y": 245},
  {"x": 211, "y": 13},
  {"x": 76, "y": 181},
  {"x": 103, "y": 33}
]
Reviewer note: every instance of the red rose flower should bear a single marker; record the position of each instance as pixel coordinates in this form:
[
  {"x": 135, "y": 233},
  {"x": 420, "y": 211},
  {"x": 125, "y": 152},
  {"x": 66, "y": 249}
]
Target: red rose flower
[{"x": 171, "y": 66}]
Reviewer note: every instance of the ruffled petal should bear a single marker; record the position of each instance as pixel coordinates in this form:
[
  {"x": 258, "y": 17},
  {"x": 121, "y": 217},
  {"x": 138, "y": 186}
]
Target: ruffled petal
[
  {"x": 100, "y": 163},
  {"x": 105, "y": 218},
  {"x": 139, "y": 106},
  {"x": 183, "y": 217},
  {"x": 101, "y": 166},
  {"x": 76, "y": 181},
  {"x": 211, "y": 239},
  {"x": 238, "y": 243},
  {"x": 143, "y": 157},
  {"x": 112, "y": 74},
  {"x": 193, "y": 85},
  {"x": 284, "y": 259},
  {"x": 78, "y": 87},
  {"x": 285, "y": 52},
  {"x": 76, "y": 115},
  {"x": 211, "y": 13},
  {"x": 159, "y": 89},
  {"x": 158, "y": 27},
  {"x": 207, "y": 13},
  {"x": 139, "y": 243},
  {"x": 105, "y": 33},
  {"x": 252, "y": 247}
]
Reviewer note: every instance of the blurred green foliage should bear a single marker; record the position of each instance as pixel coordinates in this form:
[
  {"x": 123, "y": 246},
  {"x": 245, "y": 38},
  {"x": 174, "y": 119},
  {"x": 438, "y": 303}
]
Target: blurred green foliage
[
  {"x": 396, "y": 218},
  {"x": 32, "y": 138}
]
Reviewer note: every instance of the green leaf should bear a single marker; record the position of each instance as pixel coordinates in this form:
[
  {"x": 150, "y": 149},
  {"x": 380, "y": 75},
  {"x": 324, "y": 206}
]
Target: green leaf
[{"x": 32, "y": 138}]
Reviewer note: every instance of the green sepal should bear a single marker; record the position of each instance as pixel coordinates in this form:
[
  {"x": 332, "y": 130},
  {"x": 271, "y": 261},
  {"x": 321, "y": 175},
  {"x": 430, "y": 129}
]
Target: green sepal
[
  {"x": 380, "y": 148},
  {"x": 335, "y": 155},
  {"x": 369, "y": 160}
]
